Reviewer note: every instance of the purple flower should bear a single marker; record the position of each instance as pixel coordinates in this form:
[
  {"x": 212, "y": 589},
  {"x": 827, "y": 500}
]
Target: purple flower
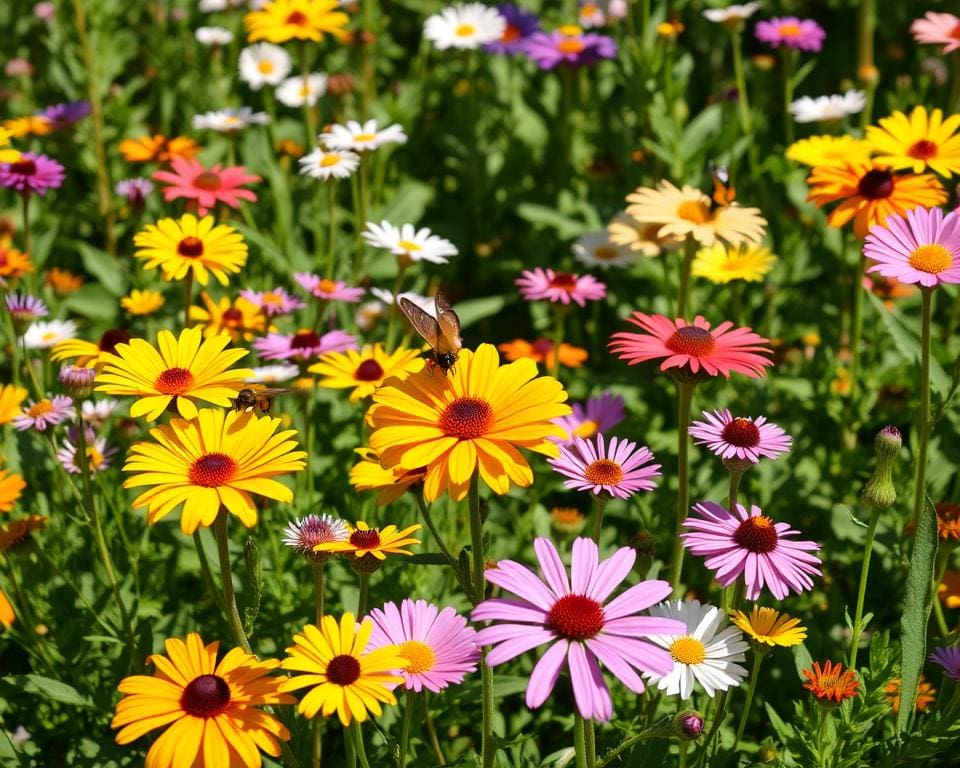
[
  {"x": 303, "y": 345},
  {"x": 24, "y": 309},
  {"x": 99, "y": 455},
  {"x": 520, "y": 25},
  {"x": 31, "y": 173},
  {"x": 76, "y": 381},
  {"x": 740, "y": 437},
  {"x": 44, "y": 413},
  {"x": 949, "y": 659},
  {"x": 275, "y": 302},
  {"x": 66, "y": 114},
  {"x": 595, "y": 416},
  {"x": 569, "y": 46},
  {"x": 620, "y": 468},
  {"x": 802, "y": 34},
  {"x": 135, "y": 191}
]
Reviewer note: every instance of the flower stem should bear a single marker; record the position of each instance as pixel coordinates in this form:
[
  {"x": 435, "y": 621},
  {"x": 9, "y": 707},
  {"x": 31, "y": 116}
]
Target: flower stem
[
  {"x": 361, "y": 213},
  {"x": 331, "y": 227},
  {"x": 361, "y": 749},
  {"x": 684, "y": 399},
  {"x": 734, "y": 489},
  {"x": 591, "y": 743},
  {"x": 821, "y": 734},
  {"x": 206, "y": 574},
  {"x": 714, "y": 727},
  {"x": 743, "y": 102},
  {"x": 488, "y": 750},
  {"x": 408, "y": 704},
  {"x": 362, "y": 597},
  {"x": 558, "y": 317},
  {"x": 318, "y": 590},
  {"x": 661, "y": 730},
  {"x": 787, "y": 59},
  {"x": 689, "y": 251},
  {"x": 599, "y": 502},
  {"x": 920, "y": 483},
  {"x": 862, "y": 591},
  {"x": 307, "y": 109},
  {"x": 447, "y": 555},
  {"x": 866, "y": 24},
  {"x": 432, "y": 731},
  {"x": 751, "y": 689},
  {"x": 579, "y": 741},
  {"x": 26, "y": 223},
  {"x": 856, "y": 333},
  {"x": 226, "y": 577}
]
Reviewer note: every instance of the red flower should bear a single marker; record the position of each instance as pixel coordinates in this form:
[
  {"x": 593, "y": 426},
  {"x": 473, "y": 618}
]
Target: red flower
[
  {"x": 208, "y": 187},
  {"x": 830, "y": 683}
]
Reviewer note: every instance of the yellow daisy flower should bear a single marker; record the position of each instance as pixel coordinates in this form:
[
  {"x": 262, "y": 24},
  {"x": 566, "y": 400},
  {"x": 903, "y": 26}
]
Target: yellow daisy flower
[
  {"x": 687, "y": 212},
  {"x": 375, "y": 542},
  {"x": 828, "y": 151},
  {"x": 11, "y": 398},
  {"x": 158, "y": 149},
  {"x": 280, "y": 21},
  {"x": 720, "y": 264},
  {"x": 182, "y": 371},
  {"x": 765, "y": 626},
  {"x": 238, "y": 319},
  {"x": 11, "y": 486},
  {"x": 29, "y": 125},
  {"x": 919, "y": 142},
  {"x": 474, "y": 419},
  {"x": 626, "y": 231},
  {"x": 217, "y": 459},
  {"x": 368, "y": 475},
  {"x": 7, "y": 153},
  {"x": 343, "y": 676},
  {"x": 209, "y": 711},
  {"x": 179, "y": 246},
  {"x": 88, "y": 354},
  {"x": 142, "y": 303},
  {"x": 365, "y": 370}
]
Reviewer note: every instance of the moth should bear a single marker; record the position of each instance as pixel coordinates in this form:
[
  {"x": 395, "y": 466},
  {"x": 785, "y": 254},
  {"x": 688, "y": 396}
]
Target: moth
[{"x": 442, "y": 332}]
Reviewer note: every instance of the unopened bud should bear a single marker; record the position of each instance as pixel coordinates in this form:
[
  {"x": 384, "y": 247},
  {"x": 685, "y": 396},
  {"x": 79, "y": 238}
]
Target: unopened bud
[
  {"x": 688, "y": 725},
  {"x": 365, "y": 564},
  {"x": 879, "y": 491},
  {"x": 77, "y": 382}
]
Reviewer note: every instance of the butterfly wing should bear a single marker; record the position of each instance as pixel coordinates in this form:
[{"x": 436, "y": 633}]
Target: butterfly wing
[
  {"x": 723, "y": 192},
  {"x": 426, "y": 325},
  {"x": 449, "y": 325}
]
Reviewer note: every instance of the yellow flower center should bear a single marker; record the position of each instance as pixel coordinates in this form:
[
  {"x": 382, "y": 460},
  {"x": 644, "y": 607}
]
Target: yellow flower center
[
  {"x": 265, "y": 66},
  {"x": 49, "y": 336},
  {"x": 409, "y": 246},
  {"x": 365, "y": 137},
  {"x": 327, "y": 286},
  {"x": 420, "y": 656},
  {"x": 304, "y": 90},
  {"x": 605, "y": 253},
  {"x": 272, "y": 299},
  {"x": 789, "y": 30},
  {"x": 94, "y": 457},
  {"x": 328, "y": 160},
  {"x": 603, "y": 472},
  {"x": 693, "y": 211},
  {"x": 465, "y": 30},
  {"x": 932, "y": 259},
  {"x": 40, "y": 409},
  {"x": 688, "y": 650},
  {"x": 570, "y": 30},
  {"x": 587, "y": 429}
]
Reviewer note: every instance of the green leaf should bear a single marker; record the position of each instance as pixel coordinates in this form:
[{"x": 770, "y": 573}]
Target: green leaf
[
  {"x": 51, "y": 689},
  {"x": 783, "y": 730},
  {"x": 916, "y": 611},
  {"x": 8, "y": 752},
  {"x": 477, "y": 309},
  {"x": 108, "y": 270}
]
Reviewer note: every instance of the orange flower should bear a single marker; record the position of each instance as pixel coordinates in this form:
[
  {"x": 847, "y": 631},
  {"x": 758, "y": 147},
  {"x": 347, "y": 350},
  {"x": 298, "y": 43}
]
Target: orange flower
[
  {"x": 16, "y": 532},
  {"x": 158, "y": 149},
  {"x": 7, "y": 616},
  {"x": 925, "y": 694},
  {"x": 11, "y": 486},
  {"x": 14, "y": 263},
  {"x": 541, "y": 351},
  {"x": 62, "y": 281},
  {"x": 830, "y": 683},
  {"x": 949, "y": 589},
  {"x": 948, "y": 520}
]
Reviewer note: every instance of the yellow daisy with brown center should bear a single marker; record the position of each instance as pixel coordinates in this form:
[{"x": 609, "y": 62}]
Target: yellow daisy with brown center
[{"x": 365, "y": 370}]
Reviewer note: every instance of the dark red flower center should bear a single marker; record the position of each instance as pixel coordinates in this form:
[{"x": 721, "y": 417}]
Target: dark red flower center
[
  {"x": 368, "y": 370},
  {"x": 191, "y": 247},
  {"x": 212, "y": 470},
  {"x": 232, "y": 317},
  {"x": 305, "y": 340},
  {"x": 207, "y": 180},
  {"x": 542, "y": 347},
  {"x": 955, "y": 33},
  {"x": 205, "y": 696},
  {"x": 343, "y": 670},
  {"x": 564, "y": 281},
  {"x": 174, "y": 381},
  {"x": 467, "y": 418},
  {"x": 757, "y": 534},
  {"x": 110, "y": 339},
  {"x": 368, "y": 539},
  {"x": 511, "y": 33},
  {"x": 297, "y": 19},
  {"x": 876, "y": 184},
  {"x": 576, "y": 617},
  {"x": 742, "y": 433},
  {"x": 23, "y": 167},
  {"x": 691, "y": 340},
  {"x": 923, "y": 150}
]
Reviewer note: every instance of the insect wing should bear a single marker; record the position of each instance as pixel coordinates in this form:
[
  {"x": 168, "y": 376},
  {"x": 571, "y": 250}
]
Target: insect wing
[
  {"x": 449, "y": 325},
  {"x": 425, "y": 324},
  {"x": 723, "y": 193}
]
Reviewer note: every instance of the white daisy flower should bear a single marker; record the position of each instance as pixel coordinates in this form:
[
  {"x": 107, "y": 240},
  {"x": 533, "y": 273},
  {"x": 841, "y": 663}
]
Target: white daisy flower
[
  {"x": 96, "y": 412},
  {"x": 326, "y": 164},
  {"x": 732, "y": 14},
  {"x": 43, "y": 335},
  {"x": 707, "y": 653},
  {"x": 369, "y": 314},
  {"x": 409, "y": 243},
  {"x": 294, "y": 92},
  {"x": 273, "y": 374},
  {"x": 264, "y": 64},
  {"x": 229, "y": 120},
  {"x": 213, "y": 36},
  {"x": 362, "y": 138},
  {"x": 212, "y": 6},
  {"x": 827, "y": 108},
  {"x": 595, "y": 249},
  {"x": 466, "y": 25}
]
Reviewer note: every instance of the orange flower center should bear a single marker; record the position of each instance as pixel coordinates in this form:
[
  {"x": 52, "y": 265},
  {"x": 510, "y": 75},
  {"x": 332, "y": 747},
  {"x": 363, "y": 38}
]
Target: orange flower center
[
  {"x": 467, "y": 418},
  {"x": 297, "y": 19},
  {"x": 576, "y": 617},
  {"x": 343, "y": 670},
  {"x": 265, "y": 66},
  {"x": 174, "y": 381},
  {"x": 232, "y": 317},
  {"x": 691, "y": 340},
  {"x": 40, "y": 409},
  {"x": 757, "y": 534},
  {"x": 931, "y": 258},
  {"x": 923, "y": 150},
  {"x": 369, "y": 370},
  {"x": 564, "y": 281},
  {"x": 742, "y": 433},
  {"x": 603, "y": 472},
  {"x": 465, "y": 30},
  {"x": 326, "y": 286},
  {"x": 190, "y": 247},
  {"x": 420, "y": 656},
  {"x": 789, "y": 30},
  {"x": 876, "y": 184},
  {"x": 510, "y": 34},
  {"x": 207, "y": 180},
  {"x": 212, "y": 470},
  {"x": 570, "y": 45},
  {"x": 328, "y": 160},
  {"x": 693, "y": 211},
  {"x": 368, "y": 539},
  {"x": 205, "y": 696}
]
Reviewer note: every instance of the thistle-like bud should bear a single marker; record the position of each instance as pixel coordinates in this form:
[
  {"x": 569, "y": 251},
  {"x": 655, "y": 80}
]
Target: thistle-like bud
[
  {"x": 688, "y": 725},
  {"x": 879, "y": 491},
  {"x": 77, "y": 382}
]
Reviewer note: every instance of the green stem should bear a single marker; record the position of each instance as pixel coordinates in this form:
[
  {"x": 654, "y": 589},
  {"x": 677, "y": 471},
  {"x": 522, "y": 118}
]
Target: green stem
[
  {"x": 307, "y": 109},
  {"x": 734, "y": 489},
  {"x": 857, "y": 330},
  {"x": 579, "y": 741},
  {"x": 787, "y": 58},
  {"x": 361, "y": 216},
  {"x": 689, "y": 251},
  {"x": 26, "y": 225},
  {"x": 226, "y": 577},
  {"x": 206, "y": 574},
  {"x": 408, "y": 704},
  {"x": 862, "y": 591},
  {"x": 447, "y": 555},
  {"x": 751, "y": 689},
  {"x": 591, "y": 744},
  {"x": 660, "y": 731},
  {"x": 349, "y": 748},
  {"x": 432, "y": 731},
  {"x": 331, "y": 227},
  {"x": 682, "y": 760},
  {"x": 559, "y": 314},
  {"x": 362, "y": 597},
  {"x": 684, "y": 399},
  {"x": 599, "y": 502},
  {"x": 866, "y": 24},
  {"x": 921, "y": 473},
  {"x": 318, "y": 590},
  {"x": 488, "y": 749},
  {"x": 714, "y": 727},
  {"x": 361, "y": 749},
  {"x": 821, "y": 734},
  {"x": 743, "y": 102}
]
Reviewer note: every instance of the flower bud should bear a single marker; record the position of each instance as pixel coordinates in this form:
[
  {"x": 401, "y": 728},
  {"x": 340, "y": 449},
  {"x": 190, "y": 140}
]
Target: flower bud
[
  {"x": 77, "y": 382},
  {"x": 365, "y": 564},
  {"x": 879, "y": 491},
  {"x": 688, "y": 725},
  {"x": 567, "y": 521}
]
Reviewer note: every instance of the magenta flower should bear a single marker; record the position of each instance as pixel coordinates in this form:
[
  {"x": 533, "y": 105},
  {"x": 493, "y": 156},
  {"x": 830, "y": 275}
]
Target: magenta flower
[
  {"x": 802, "y": 34},
  {"x": 44, "y": 413},
  {"x": 32, "y": 173},
  {"x": 938, "y": 29},
  {"x": 595, "y": 416},
  {"x": 740, "y": 437},
  {"x": 923, "y": 247},
  {"x": 568, "y": 46},
  {"x": 750, "y": 543},
  {"x": 24, "y": 309},
  {"x": 573, "y": 616},
  {"x": 562, "y": 287},
  {"x": 329, "y": 290},
  {"x": 949, "y": 659},
  {"x": 303, "y": 534},
  {"x": 302, "y": 345},
  {"x": 621, "y": 469},
  {"x": 439, "y": 645},
  {"x": 99, "y": 455},
  {"x": 275, "y": 302}
]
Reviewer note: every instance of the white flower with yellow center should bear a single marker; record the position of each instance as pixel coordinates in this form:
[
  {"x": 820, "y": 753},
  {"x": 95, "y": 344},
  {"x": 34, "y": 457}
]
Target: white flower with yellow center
[
  {"x": 43, "y": 335},
  {"x": 363, "y": 137},
  {"x": 408, "y": 243},
  {"x": 464, "y": 26},
  {"x": 297, "y": 91},
  {"x": 329, "y": 164},
  {"x": 229, "y": 120},
  {"x": 827, "y": 109},
  {"x": 732, "y": 15},
  {"x": 264, "y": 64},
  {"x": 595, "y": 249},
  {"x": 707, "y": 653}
]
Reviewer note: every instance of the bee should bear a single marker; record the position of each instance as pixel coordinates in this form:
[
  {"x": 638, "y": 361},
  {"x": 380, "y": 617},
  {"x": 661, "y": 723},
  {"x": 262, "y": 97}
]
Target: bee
[
  {"x": 258, "y": 399},
  {"x": 723, "y": 192},
  {"x": 442, "y": 332}
]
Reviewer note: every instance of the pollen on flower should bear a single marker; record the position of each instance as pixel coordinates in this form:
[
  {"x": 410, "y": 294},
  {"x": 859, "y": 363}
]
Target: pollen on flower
[
  {"x": 420, "y": 656},
  {"x": 326, "y": 286},
  {"x": 467, "y": 418},
  {"x": 362, "y": 137},
  {"x": 174, "y": 381},
  {"x": 570, "y": 45},
  {"x": 693, "y": 211},
  {"x": 465, "y": 30},
  {"x": 367, "y": 539},
  {"x": 931, "y": 258},
  {"x": 757, "y": 534},
  {"x": 603, "y": 472},
  {"x": 876, "y": 184},
  {"x": 265, "y": 66},
  {"x": 691, "y": 340},
  {"x": 343, "y": 670},
  {"x": 41, "y": 408},
  {"x": 409, "y": 246},
  {"x": 369, "y": 370},
  {"x": 212, "y": 470},
  {"x": 205, "y": 696},
  {"x": 576, "y": 617},
  {"x": 297, "y": 19},
  {"x": 923, "y": 150},
  {"x": 564, "y": 281},
  {"x": 329, "y": 160},
  {"x": 688, "y": 650},
  {"x": 191, "y": 247},
  {"x": 742, "y": 433},
  {"x": 207, "y": 180}
]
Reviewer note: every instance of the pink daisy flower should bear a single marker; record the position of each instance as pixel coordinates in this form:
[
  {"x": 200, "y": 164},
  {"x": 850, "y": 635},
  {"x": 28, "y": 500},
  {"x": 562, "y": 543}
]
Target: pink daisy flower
[
  {"x": 802, "y": 34},
  {"x": 696, "y": 347},
  {"x": 302, "y": 345},
  {"x": 573, "y": 616},
  {"x": 24, "y": 309},
  {"x": 741, "y": 437},
  {"x": 923, "y": 247},
  {"x": 32, "y": 173},
  {"x": 207, "y": 187},
  {"x": 595, "y": 416},
  {"x": 750, "y": 543},
  {"x": 621, "y": 469},
  {"x": 439, "y": 645},
  {"x": 562, "y": 287},
  {"x": 275, "y": 302},
  {"x": 329, "y": 290},
  {"x": 949, "y": 659},
  {"x": 938, "y": 29},
  {"x": 44, "y": 413}
]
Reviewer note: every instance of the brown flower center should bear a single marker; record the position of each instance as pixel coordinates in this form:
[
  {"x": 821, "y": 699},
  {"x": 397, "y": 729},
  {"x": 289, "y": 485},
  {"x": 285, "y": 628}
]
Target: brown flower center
[
  {"x": 23, "y": 167},
  {"x": 190, "y": 247},
  {"x": 343, "y": 670},
  {"x": 603, "y": 472},
  {"x": 876, "y": 184},
  {"x": 110, "y": 339},
  {"x": 305, "y": 340},
  {"x": 691, "y": 340},
  {"x": 932, "y": 258},
  {"x": 757, "y": 534},
  {"x": 232, "y": 317},
  {"x": 369, "y": 370},
  {"x": 742, "y": 433},
  {"x": 368, "y": 539},
  {"x": 297, "y": 19},
  {"x": 576, "y": 617},
  {"x": 467, "y": 418},
  {"x": 174, "y": 381},
  {"x": 923, "y": 150},
  {"x": 564, "y": 281},
  {"x": 205, "y": 696},
  {"x": 212, "y": 470},
  {"x": 207, "y": 180}
]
